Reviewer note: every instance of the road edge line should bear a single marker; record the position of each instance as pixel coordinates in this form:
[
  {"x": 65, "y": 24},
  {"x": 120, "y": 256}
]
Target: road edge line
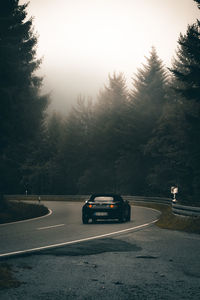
[{"x": 29, "y": 251}]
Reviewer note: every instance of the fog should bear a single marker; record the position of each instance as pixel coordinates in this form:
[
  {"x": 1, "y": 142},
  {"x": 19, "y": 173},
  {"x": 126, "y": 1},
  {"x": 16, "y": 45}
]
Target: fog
[{"x": 82, "y": 41}]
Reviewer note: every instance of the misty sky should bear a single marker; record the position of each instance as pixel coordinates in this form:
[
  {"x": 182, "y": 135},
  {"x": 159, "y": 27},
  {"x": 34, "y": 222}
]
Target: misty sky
[{"x": 81, "y": 41}]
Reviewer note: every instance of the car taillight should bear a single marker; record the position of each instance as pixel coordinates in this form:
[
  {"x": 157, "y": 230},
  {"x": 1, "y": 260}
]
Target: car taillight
[{"x": 111, "y": 205}]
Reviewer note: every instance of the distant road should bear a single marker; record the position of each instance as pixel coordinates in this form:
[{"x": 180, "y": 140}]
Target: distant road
[{"x": 64, "y": 225}]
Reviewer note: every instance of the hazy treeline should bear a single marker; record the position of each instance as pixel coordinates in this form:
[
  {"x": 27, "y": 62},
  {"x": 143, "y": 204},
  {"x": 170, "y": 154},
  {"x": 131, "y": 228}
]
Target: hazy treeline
[{"x": 140, "y": 141}]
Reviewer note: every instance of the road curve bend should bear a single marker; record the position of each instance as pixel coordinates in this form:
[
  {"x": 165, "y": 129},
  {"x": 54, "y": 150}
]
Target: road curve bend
[{"x": 63, "y": 226}]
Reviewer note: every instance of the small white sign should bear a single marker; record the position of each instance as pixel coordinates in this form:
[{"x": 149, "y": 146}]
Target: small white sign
[{"x": 174, "y": 190}]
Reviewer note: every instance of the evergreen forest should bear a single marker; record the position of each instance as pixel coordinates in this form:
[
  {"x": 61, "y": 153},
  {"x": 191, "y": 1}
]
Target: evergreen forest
[{"x": 138, "y": 141}]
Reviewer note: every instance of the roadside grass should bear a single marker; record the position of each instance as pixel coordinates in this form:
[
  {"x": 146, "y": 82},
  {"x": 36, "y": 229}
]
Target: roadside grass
[
  {"x": 10, "y": 212},
  {"x": 18, "y": 211},
  {"x": 7, "y": 279},
  {"x": 170, "y": 221}
]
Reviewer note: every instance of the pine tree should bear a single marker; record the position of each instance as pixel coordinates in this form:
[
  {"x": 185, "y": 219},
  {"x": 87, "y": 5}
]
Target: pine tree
[
  {"x": 21, "y": 105},
  {"x": 175, "y": 144},
  {"x": 107, "y": 139},
  {"x": 186, "y": 66},
  {"x": 149, "y": 87},
  {"x": 168, "y": 150},
  {"x": 74, "y": 154},
  {"x": 186, "y": 82},
  {"x": 147, "y": 100},
  {"x": 114, "y": 95},
  {"x": 41, "y": 170}
]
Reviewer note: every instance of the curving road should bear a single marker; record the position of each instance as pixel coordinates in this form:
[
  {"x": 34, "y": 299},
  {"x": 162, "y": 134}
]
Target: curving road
[
  {"x": 139, "y": 264},
  {"x": 64, "y": 226}
]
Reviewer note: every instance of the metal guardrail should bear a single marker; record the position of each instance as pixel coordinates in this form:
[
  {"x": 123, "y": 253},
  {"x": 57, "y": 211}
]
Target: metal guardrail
[
  {"x": 159, "y": 200},
  {"x": 46, "y": 197},
  {"x": 82, "y": 198},
  {"x": 184, "y": 210},
  {"x": 177, "y": 209}
]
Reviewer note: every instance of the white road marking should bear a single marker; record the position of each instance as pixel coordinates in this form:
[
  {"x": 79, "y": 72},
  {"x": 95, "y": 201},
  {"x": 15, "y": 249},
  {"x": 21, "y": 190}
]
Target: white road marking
[
  {"x": 77, "y": 241},
  {"x": 53, "y": 226},
  {"x": 28, "y": 220}
]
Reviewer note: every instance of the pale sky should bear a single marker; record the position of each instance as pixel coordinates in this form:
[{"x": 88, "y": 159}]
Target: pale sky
[{"x": 82, "y": 41}]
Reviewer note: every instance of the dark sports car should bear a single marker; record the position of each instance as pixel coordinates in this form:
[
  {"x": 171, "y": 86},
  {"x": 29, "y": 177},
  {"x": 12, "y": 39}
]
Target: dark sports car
[{"x": 106, "y": 206}]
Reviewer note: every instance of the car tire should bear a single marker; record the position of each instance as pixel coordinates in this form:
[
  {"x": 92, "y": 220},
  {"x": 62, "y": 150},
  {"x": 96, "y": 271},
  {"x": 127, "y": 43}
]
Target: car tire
[
  {"x": 128, "y": 218},
  {"x": 85, "y": 219},
  {"x": 121, "y": 219}
]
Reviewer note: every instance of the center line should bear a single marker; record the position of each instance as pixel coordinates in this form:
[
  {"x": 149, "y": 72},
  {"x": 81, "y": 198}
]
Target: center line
[{"x": 53, "y": 226}]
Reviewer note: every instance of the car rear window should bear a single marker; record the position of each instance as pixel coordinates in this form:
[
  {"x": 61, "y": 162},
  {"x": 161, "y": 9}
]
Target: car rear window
[{"x": 103, "y": 199}]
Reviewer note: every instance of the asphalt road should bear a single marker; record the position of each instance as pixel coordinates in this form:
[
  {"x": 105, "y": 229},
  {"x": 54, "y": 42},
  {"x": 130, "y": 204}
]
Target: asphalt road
[
  {"x": 146, "y": 263},
  {"x": 63, "y": 226}
]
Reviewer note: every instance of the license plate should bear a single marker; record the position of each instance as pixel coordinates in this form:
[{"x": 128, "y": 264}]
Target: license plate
[{"x": 101, "y": 214}]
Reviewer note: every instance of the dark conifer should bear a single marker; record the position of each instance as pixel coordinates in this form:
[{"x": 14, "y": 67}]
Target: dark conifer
[
  {"x": 186, "y": 66},
  {"x": 21, "y": 105}
]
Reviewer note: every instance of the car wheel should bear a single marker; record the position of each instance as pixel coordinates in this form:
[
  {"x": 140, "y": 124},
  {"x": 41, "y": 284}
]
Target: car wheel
[
  {"x": 128, "y": 218},
  {"x": 121, "y": 219},
  {"x": 85, "y": 219}
]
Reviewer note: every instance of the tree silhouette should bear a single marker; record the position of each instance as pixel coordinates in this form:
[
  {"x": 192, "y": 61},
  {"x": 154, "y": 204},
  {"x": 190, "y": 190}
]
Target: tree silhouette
[
  {"x": 186, "y": 66},
  {"x": 22, "y": 108}
]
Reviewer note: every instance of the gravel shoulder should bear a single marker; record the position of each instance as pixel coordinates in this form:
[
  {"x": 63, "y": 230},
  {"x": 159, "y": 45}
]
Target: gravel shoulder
[{"x": 152, "y": 263}]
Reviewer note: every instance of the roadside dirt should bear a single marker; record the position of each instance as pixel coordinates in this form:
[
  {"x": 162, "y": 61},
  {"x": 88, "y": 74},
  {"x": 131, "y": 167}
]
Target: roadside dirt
[{"x": 148, "y": 264}]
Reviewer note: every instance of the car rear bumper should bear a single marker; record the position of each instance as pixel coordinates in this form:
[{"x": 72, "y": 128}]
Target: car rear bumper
[{"x": 102, "y": 214}]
